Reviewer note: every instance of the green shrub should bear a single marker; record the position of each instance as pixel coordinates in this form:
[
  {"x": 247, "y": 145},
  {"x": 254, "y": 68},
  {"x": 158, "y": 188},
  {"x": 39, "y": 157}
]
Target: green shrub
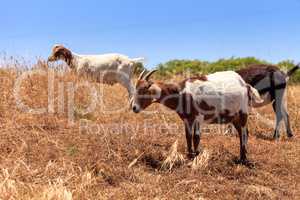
[{"x": 186, "y": 67}]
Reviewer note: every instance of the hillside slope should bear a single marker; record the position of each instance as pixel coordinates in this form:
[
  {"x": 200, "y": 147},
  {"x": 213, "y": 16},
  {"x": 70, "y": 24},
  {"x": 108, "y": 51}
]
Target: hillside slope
[{"x": 112, "y": 153}]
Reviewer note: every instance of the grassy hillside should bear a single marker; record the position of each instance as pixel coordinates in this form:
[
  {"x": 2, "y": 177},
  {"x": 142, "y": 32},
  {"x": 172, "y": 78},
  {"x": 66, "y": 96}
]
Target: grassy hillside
[{"x": 122, "y": 155}]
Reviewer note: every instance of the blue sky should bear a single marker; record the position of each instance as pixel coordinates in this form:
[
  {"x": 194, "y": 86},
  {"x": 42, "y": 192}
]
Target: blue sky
[{"x": 158, "y": 30}]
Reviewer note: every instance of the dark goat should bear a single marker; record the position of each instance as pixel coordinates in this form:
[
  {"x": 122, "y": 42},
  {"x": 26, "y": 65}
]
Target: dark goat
[{"x": 271, "y": 83}]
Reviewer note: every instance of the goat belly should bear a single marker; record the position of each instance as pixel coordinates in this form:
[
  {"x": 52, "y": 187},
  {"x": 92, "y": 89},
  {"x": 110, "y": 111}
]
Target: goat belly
[
  {"x": 219, "y": 104},
  {"x": 220, "y": 108},
  {"x": 108, "y": 77}
]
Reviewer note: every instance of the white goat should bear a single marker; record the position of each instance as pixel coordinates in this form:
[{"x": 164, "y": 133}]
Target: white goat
[{"x": 105, "y": 68}]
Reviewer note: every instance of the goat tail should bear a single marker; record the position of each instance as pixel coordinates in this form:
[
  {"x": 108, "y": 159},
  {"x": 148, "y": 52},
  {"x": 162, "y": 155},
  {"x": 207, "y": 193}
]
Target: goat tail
[
  {"x": 293, "y": 70},
  {"x": 138, "y": 60},
  {"x": 136, "y": 63},
  {"x": 254, "y": 96}
]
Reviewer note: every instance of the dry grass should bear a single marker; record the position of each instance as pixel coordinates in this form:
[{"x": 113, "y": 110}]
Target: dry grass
[
  {"x": 173, "y": 159},
  {"x": 201, "y": 161},
  {"x": 42, "y": 156}
]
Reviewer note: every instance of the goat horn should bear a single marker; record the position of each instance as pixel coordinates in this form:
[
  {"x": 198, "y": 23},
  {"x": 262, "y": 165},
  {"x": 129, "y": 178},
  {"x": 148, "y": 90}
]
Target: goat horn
[
  {"x": 149, "y": 74},
  {"x": 142, "y": 74}
]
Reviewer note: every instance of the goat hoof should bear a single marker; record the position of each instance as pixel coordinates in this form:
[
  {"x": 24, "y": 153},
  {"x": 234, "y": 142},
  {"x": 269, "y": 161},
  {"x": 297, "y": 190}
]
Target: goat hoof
[
  {"x": 276, "y": 137},
  {"x": 191, "y": 156},
  {"x": 246, "y": 163},
  {"x": 198, "y": 152},
  {"x": 290, "y": 135}
]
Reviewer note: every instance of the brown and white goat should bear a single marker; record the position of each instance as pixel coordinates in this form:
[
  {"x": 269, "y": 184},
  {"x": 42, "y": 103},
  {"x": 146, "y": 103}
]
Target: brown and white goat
[
  {"x": 271, "y": 83},
  {"x": 222, "y": 97},
  {"x": 105, "y": 68}
]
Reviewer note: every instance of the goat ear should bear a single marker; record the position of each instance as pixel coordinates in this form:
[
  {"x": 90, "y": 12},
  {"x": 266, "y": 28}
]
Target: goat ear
[{"x": 155, "y": 92}]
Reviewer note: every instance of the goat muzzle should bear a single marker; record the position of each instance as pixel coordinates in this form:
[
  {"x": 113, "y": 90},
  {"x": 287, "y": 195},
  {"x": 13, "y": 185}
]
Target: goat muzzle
[{"x": 136, "y": 108}]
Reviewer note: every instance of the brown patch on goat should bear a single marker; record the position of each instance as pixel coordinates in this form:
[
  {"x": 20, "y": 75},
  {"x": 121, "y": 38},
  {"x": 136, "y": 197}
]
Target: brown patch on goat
[
  {"x": 169, "y": 95},
  {"x": 204, "y": 106},
  {"x": 64, "y": 53},
  {"x": 197, "y": 78},
  {"x": 224, "y": 117},
  {"x": 192, "y": 79}
]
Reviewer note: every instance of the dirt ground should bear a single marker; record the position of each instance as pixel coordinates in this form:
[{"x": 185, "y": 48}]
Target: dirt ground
[{"x": 112, "y": 153}]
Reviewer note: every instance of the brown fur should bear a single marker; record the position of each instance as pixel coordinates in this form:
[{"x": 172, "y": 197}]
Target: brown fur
[
  {"x": 225, "y": 117},
  {"x": 260, "y": 77},
  {"x": 204, "y": 106},
  {"x": 64, "y": 53},
  {"x": 192, "y": 79}
]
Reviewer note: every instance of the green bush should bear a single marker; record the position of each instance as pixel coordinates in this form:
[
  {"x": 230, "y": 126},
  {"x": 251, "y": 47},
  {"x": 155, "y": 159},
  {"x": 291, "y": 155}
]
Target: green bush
[{"x": 186, "y": 67}]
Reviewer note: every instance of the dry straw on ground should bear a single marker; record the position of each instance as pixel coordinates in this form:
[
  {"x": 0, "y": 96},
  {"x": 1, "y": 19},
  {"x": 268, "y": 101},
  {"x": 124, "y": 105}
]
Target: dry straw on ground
[
  {"x": 45, "y": 157},
  {"x": 173, "y": 159},
  {"x": 201, "y": 161}
]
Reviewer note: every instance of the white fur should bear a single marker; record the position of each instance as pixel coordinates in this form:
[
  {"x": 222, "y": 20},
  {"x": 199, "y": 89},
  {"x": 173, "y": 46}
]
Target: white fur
[
  {"x": 157, "y": 90},
  {"x": 266, "y": 99},
  {"x": 222, "y": 90},
  {"x": 117, "y": 68}
]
